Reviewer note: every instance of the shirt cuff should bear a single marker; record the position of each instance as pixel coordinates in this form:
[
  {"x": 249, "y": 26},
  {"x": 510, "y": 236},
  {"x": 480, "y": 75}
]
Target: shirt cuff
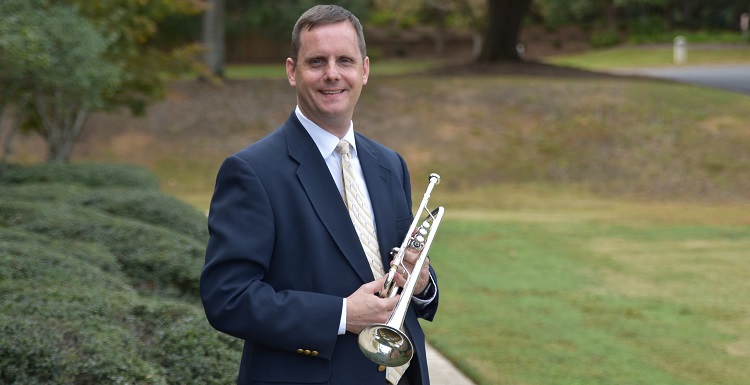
[
  {"x": 342, "y": 322},
  {"x": 428, "y": 295}
]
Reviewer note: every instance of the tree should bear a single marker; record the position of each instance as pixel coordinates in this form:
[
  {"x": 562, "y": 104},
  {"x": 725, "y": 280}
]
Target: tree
[
  {"x": 63, "y": 59},
  {"x": 503, "y": 28},
  {"x": 213, "y": 27},
  {"x": 54, "y": 70}
]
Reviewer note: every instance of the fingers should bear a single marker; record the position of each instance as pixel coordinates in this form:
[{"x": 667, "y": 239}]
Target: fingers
[
  {"x": 407, "y": 266},
  {"x": 404, "y": 274},
  {"x": 363, "y": 308}
]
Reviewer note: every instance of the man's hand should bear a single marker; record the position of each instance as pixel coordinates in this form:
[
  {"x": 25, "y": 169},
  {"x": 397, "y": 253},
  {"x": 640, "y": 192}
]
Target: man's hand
[
  {"x": 364, "y": 307},
  {"x": 410, "y": 258}
]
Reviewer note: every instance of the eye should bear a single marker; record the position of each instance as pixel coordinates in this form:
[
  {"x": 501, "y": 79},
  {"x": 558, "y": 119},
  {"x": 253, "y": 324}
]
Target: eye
[
  {"x": 316, "y": 62},
  {"x": 346, "y": 60}
]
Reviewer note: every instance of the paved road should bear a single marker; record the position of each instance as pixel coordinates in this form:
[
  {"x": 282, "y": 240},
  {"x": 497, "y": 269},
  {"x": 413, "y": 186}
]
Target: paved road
[{"x": 729, "y": 77}]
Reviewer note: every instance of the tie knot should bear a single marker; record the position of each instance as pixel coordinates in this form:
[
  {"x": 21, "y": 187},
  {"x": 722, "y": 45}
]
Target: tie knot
[{"x": 343, "y": 147}]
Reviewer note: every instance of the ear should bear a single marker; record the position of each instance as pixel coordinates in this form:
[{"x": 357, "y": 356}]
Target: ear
[
  {"x": 290, "y": 72},
  {"x": 365, "y": 70}
]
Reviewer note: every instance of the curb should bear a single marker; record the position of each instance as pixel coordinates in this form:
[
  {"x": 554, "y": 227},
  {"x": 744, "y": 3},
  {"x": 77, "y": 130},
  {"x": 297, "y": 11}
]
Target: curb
[{"x": 442, "y": 371}]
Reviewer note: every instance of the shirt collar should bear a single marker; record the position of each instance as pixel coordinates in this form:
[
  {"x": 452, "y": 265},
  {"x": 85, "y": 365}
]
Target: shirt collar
[{"x": 324, "y": 140}]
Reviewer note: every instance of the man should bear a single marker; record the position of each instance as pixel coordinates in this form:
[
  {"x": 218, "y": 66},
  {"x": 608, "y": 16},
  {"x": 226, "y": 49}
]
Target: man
[{"x": 287, "y": 267}]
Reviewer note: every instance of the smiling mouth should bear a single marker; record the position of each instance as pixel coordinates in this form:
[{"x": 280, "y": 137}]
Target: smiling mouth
[{"x": 332, "y": 92}]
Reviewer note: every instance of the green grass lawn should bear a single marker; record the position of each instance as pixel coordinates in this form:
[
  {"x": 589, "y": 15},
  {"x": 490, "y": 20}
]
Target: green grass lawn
[
  {"x": 653, "y": 56},
  {"x": 565, "y": 289}
]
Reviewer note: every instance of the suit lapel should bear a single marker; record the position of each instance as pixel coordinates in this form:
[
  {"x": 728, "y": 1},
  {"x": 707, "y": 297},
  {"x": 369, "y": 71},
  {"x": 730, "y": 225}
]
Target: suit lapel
[{"x": 316, "y": 180}]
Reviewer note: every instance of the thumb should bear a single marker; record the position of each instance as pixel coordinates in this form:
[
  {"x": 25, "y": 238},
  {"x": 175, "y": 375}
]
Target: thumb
[{"x": 374, "y": 286}]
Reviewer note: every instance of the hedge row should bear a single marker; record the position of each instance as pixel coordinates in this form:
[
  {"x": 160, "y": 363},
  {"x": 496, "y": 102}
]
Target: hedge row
[
  {"x": 99, "y": 282},
  {"x": 91, "y": 175}
]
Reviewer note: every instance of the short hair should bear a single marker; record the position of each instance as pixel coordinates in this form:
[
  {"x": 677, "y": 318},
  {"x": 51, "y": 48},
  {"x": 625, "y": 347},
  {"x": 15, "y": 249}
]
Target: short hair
[{"x": 324, "y": 15}]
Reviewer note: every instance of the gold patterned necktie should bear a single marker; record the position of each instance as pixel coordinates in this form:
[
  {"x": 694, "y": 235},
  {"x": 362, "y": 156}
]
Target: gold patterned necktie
[{"x": 359, "y": 211}]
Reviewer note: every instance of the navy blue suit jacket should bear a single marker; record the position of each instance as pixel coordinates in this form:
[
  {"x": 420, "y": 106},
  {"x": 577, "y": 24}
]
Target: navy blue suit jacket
[{"x": 283, "y": 253}]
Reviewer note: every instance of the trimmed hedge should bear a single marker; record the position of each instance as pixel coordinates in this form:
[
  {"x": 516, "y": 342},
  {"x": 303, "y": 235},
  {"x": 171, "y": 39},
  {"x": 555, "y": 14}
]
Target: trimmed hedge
[
  {"x": 99, "y": 281},
  {"x": 91, "y": 175}
]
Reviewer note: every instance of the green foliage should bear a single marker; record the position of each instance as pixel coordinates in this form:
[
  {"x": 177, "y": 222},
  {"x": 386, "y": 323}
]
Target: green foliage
[
  {"x": 601, "y": 39},
  {"x": 49, "y": 50},
  {"x": 99, "y": 278},
  {"x": 556, "y": 12},
  {"x": 646, "y": 27},
  {"x": 277, "y": 17},
  {"x": 645, "y": 21},
  {"x": 21, "y": 51},
  {"x": 77, "y": 67},
  {"x": 134, "y": 24}
]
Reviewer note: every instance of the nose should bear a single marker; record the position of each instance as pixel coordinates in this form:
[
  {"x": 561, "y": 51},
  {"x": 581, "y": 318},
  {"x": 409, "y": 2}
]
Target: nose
[{"x": 331, "y": 72}]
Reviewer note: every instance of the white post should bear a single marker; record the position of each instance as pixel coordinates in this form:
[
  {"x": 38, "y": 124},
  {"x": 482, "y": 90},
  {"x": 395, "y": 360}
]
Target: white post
[
  {"x": 521, "y": 50},
  {"x": 679, "y": 54}
]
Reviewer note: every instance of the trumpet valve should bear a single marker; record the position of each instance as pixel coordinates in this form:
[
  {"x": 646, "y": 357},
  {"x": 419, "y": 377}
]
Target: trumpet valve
[{"x": 417, "y": 242}]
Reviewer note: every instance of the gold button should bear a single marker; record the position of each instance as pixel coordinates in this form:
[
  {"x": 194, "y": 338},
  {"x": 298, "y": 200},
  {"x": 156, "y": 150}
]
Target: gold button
[
  {"x": 300, "y": 351},
  {"x": 307, "y": 352},
  {"x": 381, "y": 368},
  {"x": 314, "y": 353}
]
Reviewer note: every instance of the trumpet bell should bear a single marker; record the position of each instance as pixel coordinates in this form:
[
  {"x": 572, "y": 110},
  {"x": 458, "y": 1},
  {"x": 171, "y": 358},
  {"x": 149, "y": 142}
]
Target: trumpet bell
[{"x": 385, "y": 345}]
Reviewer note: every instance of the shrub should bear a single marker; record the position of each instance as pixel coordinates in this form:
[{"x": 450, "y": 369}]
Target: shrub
[
  {"x": 150, "y": 207},
  {"x": 99, "y": 275},
  {"x": 92, "y": 175},
  {"x": 154, "y": 258}
]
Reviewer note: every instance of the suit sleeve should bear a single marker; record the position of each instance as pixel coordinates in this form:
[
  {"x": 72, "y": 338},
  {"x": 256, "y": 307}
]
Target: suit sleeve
[{"x": 236, "y": 297}]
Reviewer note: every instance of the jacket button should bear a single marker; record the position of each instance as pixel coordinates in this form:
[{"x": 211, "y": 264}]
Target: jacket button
[
  {"x": 307, "y": 352},
  {"x": 300, "y": 351},
  {"x": 381, "y": 368},
  {"x": 314, "y": 353}
]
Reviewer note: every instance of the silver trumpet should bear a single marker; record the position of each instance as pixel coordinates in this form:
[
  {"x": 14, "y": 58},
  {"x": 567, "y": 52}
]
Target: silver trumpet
[{"x": 386, "y": 344}]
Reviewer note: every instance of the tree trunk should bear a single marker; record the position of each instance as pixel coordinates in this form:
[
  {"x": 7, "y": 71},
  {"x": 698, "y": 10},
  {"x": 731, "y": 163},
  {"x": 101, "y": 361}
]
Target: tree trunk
[
  {"x": 61, "y": 125},
  {"x": 213, "y": 36},
  {"x": 504, "y": 26},
  {"x": 8, "y": 142},
  {"x": 610, "y": 16}
]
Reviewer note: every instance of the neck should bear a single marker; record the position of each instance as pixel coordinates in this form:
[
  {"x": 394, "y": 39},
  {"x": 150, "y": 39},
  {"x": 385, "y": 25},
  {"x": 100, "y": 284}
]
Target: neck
[{"x": 336, "y": 126}]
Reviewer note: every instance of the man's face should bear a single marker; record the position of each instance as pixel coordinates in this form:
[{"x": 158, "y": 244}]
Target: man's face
[{"x": 329, "y": 75}]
